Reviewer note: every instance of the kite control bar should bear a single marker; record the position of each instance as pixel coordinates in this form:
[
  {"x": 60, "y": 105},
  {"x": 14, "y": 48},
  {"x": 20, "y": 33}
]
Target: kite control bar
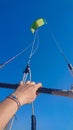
[
  {"x": 58, "y": 92},
  {"x": 7, "y": 85}
]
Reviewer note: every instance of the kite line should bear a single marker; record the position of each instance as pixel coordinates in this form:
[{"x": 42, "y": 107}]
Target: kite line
[
  {"x": 27, "y": 72},
  {"x": 70, "y": 67}
]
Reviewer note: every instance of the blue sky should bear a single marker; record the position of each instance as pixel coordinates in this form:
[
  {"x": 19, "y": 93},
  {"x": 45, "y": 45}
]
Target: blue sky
[{"x": 47, "y": 65}]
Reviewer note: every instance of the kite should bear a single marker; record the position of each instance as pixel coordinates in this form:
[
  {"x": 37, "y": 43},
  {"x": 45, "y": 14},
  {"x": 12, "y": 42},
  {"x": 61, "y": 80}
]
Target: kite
[
  {"x": 38, "y": 23},
  {"x": 27, "y": 72}
]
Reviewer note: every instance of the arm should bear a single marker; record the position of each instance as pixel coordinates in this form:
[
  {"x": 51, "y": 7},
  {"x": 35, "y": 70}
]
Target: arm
[{"x": 26, "y": 93}]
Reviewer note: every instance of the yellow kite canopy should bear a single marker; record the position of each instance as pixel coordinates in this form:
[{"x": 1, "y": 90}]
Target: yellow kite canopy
[{"x": 38, "y": 23}]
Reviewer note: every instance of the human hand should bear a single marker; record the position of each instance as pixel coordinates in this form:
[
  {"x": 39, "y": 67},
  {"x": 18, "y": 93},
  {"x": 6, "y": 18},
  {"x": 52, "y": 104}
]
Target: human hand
[{"x": 26, "y": 92}]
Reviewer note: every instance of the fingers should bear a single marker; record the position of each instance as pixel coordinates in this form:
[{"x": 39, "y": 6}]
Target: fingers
[
  {"x": 21, "y": 82},
  {"x": 32, "y": 83},
  {"x": 29, "y": 83},
  {"x": 38, "y": 86}
]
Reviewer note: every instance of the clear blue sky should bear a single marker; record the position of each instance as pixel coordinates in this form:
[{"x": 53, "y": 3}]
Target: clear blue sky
[{"x": 47, "y": 65}]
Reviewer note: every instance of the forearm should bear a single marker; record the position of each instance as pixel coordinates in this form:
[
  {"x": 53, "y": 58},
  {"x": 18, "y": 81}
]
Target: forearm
[
  {"x": 25, "y": 93},
  {"x": 7, "y": 109}
]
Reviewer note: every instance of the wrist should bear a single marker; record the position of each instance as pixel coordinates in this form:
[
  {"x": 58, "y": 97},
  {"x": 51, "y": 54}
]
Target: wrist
[
  {"x": 15, "y": 99},
  {"x": 21, "y": 98}
]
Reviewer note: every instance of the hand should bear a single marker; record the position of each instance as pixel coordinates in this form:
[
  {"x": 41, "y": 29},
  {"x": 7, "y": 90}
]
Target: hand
[{"x": 26, "y": 93}]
